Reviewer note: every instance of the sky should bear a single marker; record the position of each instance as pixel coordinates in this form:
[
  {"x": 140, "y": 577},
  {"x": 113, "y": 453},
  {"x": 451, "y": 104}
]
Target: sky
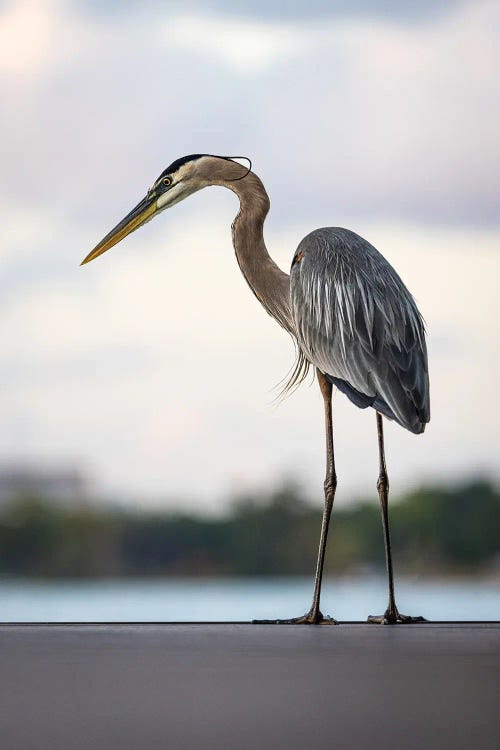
[{"x": 153, "y": 369}]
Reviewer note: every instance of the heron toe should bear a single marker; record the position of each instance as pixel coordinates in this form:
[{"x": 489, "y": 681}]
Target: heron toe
[
  {"x": 393, "y": 618},
  {"x": 311, "y": 618}
]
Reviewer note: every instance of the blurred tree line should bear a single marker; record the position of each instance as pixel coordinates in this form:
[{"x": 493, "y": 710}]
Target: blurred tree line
[{"x": 435, "y": 530}]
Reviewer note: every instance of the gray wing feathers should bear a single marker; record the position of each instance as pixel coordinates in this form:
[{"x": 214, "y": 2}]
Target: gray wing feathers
[{"x": 357, "y": 322}]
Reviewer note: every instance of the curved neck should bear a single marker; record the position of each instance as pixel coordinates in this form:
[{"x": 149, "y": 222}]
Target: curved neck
[{"x": 268, "y": 282}]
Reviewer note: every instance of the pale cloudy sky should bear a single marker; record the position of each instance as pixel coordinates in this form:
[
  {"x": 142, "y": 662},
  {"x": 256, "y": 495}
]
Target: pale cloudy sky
[{"x": 152, "y": 368}]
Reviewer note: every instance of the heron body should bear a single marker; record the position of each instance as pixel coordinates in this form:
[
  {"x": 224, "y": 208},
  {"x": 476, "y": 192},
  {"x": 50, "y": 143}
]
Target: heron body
[{"x": 349, "y": 312}]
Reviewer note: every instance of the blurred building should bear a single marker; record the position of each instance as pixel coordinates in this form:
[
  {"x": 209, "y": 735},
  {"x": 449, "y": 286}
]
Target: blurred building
[{"x": 61, "y": 486}]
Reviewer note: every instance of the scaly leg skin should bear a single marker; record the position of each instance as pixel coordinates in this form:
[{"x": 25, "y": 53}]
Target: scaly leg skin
[
  {"x": 315, "y": 616},
  {"x": 391, "y": 615}
]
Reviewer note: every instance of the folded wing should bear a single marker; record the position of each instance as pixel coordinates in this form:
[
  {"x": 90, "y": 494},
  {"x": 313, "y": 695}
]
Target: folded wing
[{"x": 357, "y": 322}]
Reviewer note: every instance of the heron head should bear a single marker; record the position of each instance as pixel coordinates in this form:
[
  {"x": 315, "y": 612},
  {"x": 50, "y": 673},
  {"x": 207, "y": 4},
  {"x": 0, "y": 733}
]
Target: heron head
[{"x": 179, "y": 180}]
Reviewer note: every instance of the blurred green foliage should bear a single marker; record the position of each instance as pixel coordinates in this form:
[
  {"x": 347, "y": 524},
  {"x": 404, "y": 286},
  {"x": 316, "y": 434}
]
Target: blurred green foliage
[{"x": 434, "y": 530}]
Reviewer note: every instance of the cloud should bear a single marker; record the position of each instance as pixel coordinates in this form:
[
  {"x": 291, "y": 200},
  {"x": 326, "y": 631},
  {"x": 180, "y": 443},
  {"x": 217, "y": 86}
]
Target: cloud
[
  {"x": 25, "y": 38},
  {"x": 350, "y": 116},
  {"x": 158, "y": 352},
  {"x": 279, "y": 10},
  {"x": 244, "y": 46}
]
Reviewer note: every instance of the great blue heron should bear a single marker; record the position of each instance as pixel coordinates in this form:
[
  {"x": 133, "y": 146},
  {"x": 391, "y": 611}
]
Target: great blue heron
[{"x": 350, "y": 314}]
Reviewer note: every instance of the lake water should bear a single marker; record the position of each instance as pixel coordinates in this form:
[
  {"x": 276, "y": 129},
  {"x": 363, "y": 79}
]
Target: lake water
[{"x": 231, "y": 599}]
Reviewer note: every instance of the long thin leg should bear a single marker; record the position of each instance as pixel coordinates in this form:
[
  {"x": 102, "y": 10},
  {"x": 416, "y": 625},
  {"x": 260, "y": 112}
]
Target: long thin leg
[
  {"x": 330, "y": 486},
  {"x": 391, "y": 614},
  {"x": 383, "y": 492},
  {"x": 315, "y": 616}
]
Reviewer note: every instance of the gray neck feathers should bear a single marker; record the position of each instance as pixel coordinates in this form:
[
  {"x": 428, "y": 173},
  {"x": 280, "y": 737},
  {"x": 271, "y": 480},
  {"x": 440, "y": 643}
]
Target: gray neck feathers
[{"x": 268, "y": 282}]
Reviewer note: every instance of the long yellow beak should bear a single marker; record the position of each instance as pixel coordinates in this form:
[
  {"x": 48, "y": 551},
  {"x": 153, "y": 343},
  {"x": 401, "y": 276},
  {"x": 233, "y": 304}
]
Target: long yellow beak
[{"x": 143, "y": 212}]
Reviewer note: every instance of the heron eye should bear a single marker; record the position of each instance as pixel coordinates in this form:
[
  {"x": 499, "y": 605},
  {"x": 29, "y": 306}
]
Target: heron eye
[{"x": 167, "y": 181}]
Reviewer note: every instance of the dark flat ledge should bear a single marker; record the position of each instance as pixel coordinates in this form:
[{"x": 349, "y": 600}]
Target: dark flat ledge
[
  {"x": 220, "y": 623},
  {"x": 239, "y": 686}
]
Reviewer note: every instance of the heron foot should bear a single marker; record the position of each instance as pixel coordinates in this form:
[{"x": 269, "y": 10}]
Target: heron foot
[
  {"x": 311, "y": 618},
  {"x": 393, "y": 617}
]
